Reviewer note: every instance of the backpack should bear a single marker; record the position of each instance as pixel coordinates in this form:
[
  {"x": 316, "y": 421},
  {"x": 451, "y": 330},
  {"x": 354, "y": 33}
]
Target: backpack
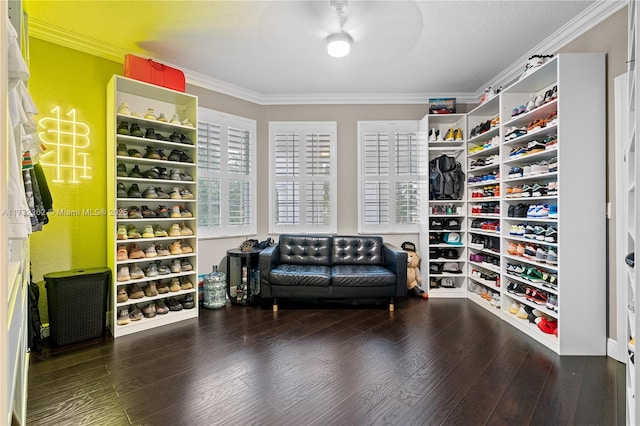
[{"x": 446, "y": 179}]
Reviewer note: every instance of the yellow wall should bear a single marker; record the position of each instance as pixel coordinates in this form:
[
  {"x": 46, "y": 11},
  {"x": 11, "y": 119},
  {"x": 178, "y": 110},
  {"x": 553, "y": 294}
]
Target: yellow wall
[{"x": 74, "y": 238}]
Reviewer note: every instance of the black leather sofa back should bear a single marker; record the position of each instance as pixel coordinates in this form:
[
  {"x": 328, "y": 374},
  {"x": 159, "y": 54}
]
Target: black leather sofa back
[
  {"x": 350, "y": 250},
  {"x": 305, "y": 249}
]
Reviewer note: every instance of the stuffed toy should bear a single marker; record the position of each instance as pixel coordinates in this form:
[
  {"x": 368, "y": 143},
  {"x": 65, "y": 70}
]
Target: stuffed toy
[{"x": 414, "y": 279}]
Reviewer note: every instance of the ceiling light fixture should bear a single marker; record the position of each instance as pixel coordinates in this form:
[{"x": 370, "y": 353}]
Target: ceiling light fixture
[{"x": 339, "y": 44}]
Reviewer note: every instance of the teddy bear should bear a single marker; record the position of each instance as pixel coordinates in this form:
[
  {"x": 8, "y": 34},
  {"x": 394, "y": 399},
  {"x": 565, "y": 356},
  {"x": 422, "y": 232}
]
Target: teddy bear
[{"x": 414, "y": 279}]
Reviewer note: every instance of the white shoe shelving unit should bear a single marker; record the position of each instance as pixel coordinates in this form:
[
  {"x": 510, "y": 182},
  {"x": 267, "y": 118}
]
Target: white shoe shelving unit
[
  {"x": 483, "y": 203},
  {"x": 628, "y": 238},
  {"x": 442, "y": 209},
  {"x": 580, "y": 222},
  {"x": 140, "y": 97}
]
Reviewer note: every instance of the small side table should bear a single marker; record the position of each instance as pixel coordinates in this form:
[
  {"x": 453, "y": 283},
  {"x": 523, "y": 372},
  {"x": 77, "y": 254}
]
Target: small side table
[{"x": 243, "y": 276}]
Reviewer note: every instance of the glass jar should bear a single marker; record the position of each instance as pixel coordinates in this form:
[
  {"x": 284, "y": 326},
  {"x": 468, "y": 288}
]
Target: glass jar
[{"x": 215, "y": 289}]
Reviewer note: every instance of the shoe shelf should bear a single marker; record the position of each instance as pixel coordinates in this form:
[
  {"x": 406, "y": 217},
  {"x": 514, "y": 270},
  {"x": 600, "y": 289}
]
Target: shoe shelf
[
  {"x": 483, "y": 232},
  {"x": 539, "y": 119},
  {"x": 476, "y": 170},
  {"x": 488, "y": 267},
  {"x": 489, "y": 150},
  {"x": 134, "y": 122},
  {"x": 489, "y": 305}
]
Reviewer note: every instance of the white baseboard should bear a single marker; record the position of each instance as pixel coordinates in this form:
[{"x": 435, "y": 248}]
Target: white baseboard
[{"x": 616, "y": 352}]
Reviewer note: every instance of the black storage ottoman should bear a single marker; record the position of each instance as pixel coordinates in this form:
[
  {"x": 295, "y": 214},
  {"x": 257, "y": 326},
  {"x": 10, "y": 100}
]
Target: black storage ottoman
[{"x": 77, "y": 304}]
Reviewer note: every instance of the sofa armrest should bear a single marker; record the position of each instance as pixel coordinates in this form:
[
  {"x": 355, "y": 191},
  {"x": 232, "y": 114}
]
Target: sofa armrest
[
  {"x": 269, "y": 259},
  {"x": 395, "y": 259}
]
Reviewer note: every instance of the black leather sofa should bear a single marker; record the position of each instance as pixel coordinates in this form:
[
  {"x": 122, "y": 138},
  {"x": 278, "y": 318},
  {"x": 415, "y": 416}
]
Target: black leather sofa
[{"x": 333, "y": 267}]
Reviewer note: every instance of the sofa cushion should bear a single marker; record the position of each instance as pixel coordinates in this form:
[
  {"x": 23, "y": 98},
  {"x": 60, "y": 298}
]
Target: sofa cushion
[
  {"x": 305, "y": 249},
  {"x": 361, "y": 276},
  {"x": 357, "y": 250},
  {"x": 301, "y": 275}
]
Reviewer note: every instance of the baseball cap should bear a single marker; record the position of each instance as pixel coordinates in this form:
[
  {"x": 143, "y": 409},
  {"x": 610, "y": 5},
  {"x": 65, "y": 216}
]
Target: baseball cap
[
  {"x": 451, "y": 268},
  {"x": 436, "y": 223},
  {"x": 435, "y": 268},
  {"x": 453, "y": 238},
  {"x": 450, "y": 253},
  {"x": 408, "y": 246},
  {"x": 435, "y": 253},
  {"x": 452, "y": 223}
]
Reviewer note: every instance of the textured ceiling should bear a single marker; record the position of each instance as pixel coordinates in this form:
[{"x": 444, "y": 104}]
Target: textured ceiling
[{"x": 278, "y": 47}]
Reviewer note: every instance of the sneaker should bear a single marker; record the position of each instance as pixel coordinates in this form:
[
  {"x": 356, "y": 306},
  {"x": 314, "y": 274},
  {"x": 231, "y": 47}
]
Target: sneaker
[
  {"x": 135, "y": 172},
  {"x": 152, "y": 152},
  {"x": 147, "y": 212},
  {"x": 132, "y": 232},
  {"x": 122, "y": 253},
  {"x": 123, "y": 109},
  {"x": 134, "y": 213},
  {"x": 161, "y": 194},
  {"x": 176, "y": 267},
  {"x": 514, "y": 308},
  {"x": 161, "y": 249},
  {"x": 432, "y": 135},
  {"x": 121, "y": 170},
  {"x": 529, "y": 231},
  {"x": 134, "y": 191},
  {"x": 185, "y": 230},
  {"x": 152, "y": 173},
  {"x": 149, "y": 310},
  {"x": 123, "y": 128},
  {"x": 522, "y": 313},
  {"x": 187, "y": 302},
  {"x": 175, "y": 119},
  {"x": 161, "y": 308},
  {"x": 162, "y": 118},
  {"x": 122, "y": 150},
  {"x": 458, "y": 134},
  {"x": 173, "y": 304},
  {"x": 186, "y": 122},
  {"x": 541, "y": 255},
  {"x": 186, "y": 177},
  {"x": 539, "y": 168},
  {"x": 134, "y": 313},
  {"x": 552, "y": 302},
  {"x": 150, "y": 115},
  {"x": 150, "y": 192},
  {"x": 175, "y": 175},
  {"x": 134, "y": 153},
  {"x": 175, "y": 194},
  {"x": 185, "y": 265},
  {"x": 552, "y": 211},
  {"x": 148, "y": 232},
  {"x": 123, "y": 274},
  {"x": 135, "y": 130},
  {"x": 151, "y": 290},
  {"x": 135, "y": 252},
  {"x": 551, "y": 234},
  {"x": 122, "y": 295},
  {"x": 123, "y": 317},
  {"x": 162, "y": 287},
  {"x": 162, "y": 269},
  {"x": 151, "y": 270},
  {"x": 150, "y": 251},
  {"x": 162, "y": 211},
  {"x": 537, "y": 297},
  {"x": 185, "y": 140},
  {"x": 136, "y": 273},
  {"x": 135, "y": 292},
  {"x": 174, "y": 230},
  {"x": 175, "y": 211},
  {"x": 175, "y": 247},
  {"x": 186, "y": 194},
  {"x": 185, "y": 213},
  {"x": 159, "y": 231},
  {"x": 174, "y": 285},
  {"x": 539, "y": 232},
  {"x": 184, "y": 158},
  {"x": 122, "y": 191},
  {"x": 185, "y": 284},
  {"x": 552, "y": 256},
  {"x": 186, "y": 248},
  {"x": 553, "y": 165}
]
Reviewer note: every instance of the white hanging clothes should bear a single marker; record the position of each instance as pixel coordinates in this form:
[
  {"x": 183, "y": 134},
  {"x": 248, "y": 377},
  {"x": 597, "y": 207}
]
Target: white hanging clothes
[{"x": 21, "y": 122}]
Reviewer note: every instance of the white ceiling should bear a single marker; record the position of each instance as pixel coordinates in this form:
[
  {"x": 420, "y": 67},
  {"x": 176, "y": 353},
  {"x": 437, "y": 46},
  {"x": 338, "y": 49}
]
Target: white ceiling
[{"x": 276, "y": 49}]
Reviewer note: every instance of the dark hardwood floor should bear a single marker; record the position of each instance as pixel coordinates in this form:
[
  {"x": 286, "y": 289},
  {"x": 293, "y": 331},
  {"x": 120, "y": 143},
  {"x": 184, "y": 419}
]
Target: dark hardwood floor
[{"x": 442, "y": 361}]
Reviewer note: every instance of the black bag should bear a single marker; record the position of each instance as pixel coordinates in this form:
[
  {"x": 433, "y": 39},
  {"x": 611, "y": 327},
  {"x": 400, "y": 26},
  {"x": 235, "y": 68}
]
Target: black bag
[
  {"x": 264, "y": 244},
  {"x": 35, "y": 325}
]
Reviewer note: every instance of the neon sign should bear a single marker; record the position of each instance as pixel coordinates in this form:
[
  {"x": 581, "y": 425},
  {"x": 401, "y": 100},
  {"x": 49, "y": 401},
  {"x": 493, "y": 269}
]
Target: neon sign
[{"x": 65, "y": 138}]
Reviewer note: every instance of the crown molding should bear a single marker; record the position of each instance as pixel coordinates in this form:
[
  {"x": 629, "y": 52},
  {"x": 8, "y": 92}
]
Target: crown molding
[
  {"x": 585, "y": 21},
  {"x": 579, "y": 25},
  {"x": 62, "y": 37}
]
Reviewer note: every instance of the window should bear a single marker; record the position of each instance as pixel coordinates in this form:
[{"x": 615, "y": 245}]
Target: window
[
  {"x": 303, "y": 181},
  {"x": 226, "y": 175},
  {"x": 388, "y": 177}
]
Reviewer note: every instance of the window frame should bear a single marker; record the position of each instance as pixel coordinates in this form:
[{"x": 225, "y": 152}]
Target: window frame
[
  {"x": 392, "y": 178},
  {"x": 226, "y": 122},
  {"x": 302, "y": 178}
]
